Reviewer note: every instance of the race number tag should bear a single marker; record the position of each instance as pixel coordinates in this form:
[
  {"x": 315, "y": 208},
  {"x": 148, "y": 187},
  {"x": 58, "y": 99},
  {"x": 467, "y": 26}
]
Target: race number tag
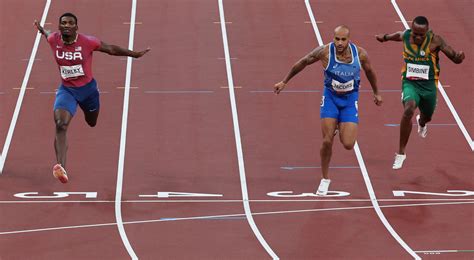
[
  {"x": 417, "y": 71},
  {"x": 342, "y": 87},
  {"x": 71, "y": 71}
]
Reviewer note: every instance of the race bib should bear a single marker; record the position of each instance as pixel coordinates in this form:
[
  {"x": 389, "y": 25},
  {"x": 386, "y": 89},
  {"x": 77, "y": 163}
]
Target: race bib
[
  {"x": 342, "y": 87},
  {"x": 417, "y": 71},
  {"x": 68, "y": 72}
]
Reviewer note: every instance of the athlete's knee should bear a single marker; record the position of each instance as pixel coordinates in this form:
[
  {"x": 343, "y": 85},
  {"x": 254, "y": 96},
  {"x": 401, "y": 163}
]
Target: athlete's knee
[
  {"x": 327, "y": 144},
  {"x": 409, "y": 111},
  {"x": 61, "y": 125},
  {"x": 348, "y": 145}
]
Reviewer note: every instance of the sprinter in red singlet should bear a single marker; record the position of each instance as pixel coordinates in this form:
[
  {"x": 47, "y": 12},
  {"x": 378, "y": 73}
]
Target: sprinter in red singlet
[{"x": 73, "y": 54}]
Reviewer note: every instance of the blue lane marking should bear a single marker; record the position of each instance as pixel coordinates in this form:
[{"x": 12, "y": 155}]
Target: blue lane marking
[
  {"x": 428, "y": 124},
  {"x": 290, "y": 168}
]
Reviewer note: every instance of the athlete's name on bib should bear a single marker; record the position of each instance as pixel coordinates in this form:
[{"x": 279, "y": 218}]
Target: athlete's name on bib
[
  {"x": 342, "y": 87},
  {"x": 417, "y": 71},
  {"x": 71, "y": 71},
  {"x": 68, "y": 55}
]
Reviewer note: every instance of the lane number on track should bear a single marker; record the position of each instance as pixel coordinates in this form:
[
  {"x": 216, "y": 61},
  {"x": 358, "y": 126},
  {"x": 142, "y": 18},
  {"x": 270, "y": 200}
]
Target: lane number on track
[
  {"x": 174, "y": 194},
  {"x": 56, "y": 195},
  {"x": 450, "y": 193},
  {"x": 278, "y": 194},
  {"x": 289, "y": 194}
]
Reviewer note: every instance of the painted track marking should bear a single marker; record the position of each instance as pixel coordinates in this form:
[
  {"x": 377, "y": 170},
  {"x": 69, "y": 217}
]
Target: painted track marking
[
  {"x": 238, "y": 143},
  {"x": 227, "y": 216},
  {"x": 123, "y": 139},
  {"x": 21, "y": 95},
  {"x": 365, "y": 174}
]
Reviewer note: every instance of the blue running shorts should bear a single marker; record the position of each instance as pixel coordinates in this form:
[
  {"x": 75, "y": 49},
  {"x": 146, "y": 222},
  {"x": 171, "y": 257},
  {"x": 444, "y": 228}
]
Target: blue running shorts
[
  {"x": 87, "y": 97},
  {"x": 342, "y": 107}
]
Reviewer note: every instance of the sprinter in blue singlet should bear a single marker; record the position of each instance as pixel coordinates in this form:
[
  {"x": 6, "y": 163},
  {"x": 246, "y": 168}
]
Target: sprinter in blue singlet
[{"x": 341, "y": 61}]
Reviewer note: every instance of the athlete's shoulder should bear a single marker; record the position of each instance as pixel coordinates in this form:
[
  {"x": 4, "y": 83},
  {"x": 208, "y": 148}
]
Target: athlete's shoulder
[
  {"x": 53, "y": 37},
  {"x": 363, "y": 56},
  {"x": 89, "y": 39}
]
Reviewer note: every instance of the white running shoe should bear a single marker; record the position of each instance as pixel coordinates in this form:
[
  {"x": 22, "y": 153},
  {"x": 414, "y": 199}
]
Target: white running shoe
[
  {"x": 323, "y": 187},
  {"x": 422, "y": 130},
  {"x": 399, "y": 158}
]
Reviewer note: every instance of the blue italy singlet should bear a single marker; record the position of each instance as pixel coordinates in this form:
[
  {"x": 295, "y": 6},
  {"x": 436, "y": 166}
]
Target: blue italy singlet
[
  {"x": 341, "y": 85},
  {"x": 342, "y": 77}
]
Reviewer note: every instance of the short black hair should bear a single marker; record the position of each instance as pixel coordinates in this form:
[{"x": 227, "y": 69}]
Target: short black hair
[
  {"x": 68, "y": 15},
  {"x": 421, "y": 20}
]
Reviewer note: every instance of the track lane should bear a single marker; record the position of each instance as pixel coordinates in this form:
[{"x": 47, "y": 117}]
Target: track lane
[
  {"x": 181, "y": 138},
  {"x": 92, "y": 156},
  {"x": 284, "y": 130},
  {"x": 430, "y": 166}
]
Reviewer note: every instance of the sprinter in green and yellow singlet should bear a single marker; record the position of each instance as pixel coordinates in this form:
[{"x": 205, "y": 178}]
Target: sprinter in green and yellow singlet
[{"x": 419, "y": 77}]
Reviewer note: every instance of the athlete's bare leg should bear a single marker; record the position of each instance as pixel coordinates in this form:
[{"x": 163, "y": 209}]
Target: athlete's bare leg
[
  {"x": 328, "y": 126},
  {"x": 406, "y": 125},
  {"x": 62, "y": 118},
  {"x": 348, "y": 134}
]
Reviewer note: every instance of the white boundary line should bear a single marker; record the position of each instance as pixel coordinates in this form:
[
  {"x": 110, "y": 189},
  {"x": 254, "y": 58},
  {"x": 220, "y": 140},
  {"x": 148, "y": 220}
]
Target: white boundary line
[
  {"x": 220, "y": 201},
  {"x": 16, "y": 113},
  {"x": 362, "y": 164},
  {"x": 441, "y": 89},
  {"x": 123, "y": 139},
  {"x": 238, "y": 144},
  {"x": 222, "y": 217}
]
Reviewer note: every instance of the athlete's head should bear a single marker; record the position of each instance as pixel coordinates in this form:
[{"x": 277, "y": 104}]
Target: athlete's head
[
  {"x": 419, "y": 28},
  {"x": 341, "y": 38},
  {"x": 68, "y": 24}
]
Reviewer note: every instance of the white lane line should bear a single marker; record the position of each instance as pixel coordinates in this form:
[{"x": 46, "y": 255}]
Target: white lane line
[
  {"x": 226, "y": 216},
  {"x": 218, "y": 201},
  {"x": 362, "y": 164},
  {"x": 238, "y": 144},
  {"x": 123, "y": 139},
  {"x": 16, "y": 113},
  {"x": 441, "y": 89}
]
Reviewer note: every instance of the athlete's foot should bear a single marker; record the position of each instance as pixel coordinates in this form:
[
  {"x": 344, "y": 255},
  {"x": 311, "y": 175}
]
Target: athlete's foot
[
  {"x": 398, "y": 163},
  {"x": 323, "y": 187},
  {"x": 59, "y": 173},
  {"x": 422, "y": 130}
]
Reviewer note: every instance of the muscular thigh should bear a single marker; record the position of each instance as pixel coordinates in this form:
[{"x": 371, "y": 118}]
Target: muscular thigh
[{"x": 348, "y": 132}]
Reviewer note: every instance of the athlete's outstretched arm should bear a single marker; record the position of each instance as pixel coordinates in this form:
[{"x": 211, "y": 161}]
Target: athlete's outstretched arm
[
  {"x": 455, "y": 56},
  {"x": 396, "y": 36},
  {"x": 41, "y": 29},
  {"x": 312, "y": 57},
  {"x": 119, "y": 51},
  {"x": 370, "y": 73}
]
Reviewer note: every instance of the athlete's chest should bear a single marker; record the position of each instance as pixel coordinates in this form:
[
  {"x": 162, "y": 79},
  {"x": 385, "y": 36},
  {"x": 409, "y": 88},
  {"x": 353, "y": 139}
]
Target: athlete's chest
[{"x": 76, "y": 53}]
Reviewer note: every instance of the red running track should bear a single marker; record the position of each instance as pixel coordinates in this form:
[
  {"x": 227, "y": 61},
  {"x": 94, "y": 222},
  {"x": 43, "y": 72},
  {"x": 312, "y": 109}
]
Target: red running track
[{"x": 180, "y": 138}]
